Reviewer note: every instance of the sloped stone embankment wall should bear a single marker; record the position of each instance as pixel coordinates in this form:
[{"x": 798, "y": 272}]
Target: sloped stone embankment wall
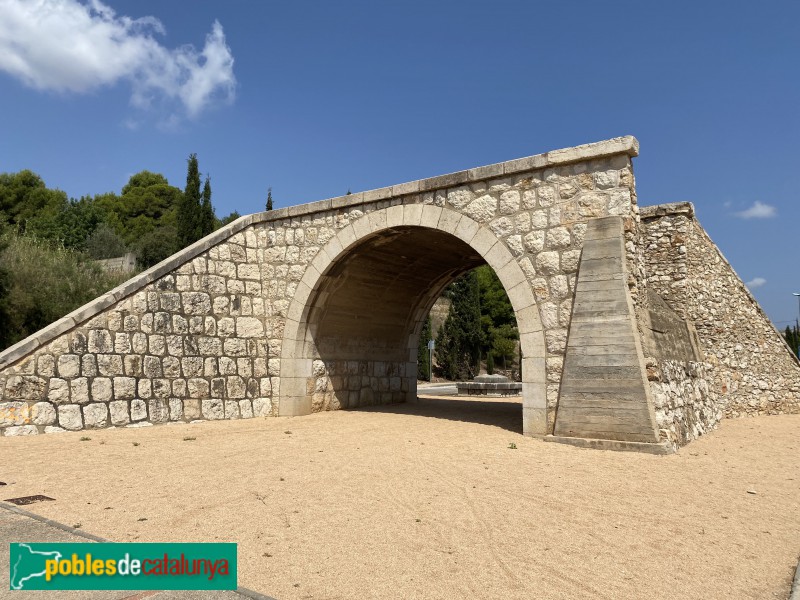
[{"x": 747, "y": 368}]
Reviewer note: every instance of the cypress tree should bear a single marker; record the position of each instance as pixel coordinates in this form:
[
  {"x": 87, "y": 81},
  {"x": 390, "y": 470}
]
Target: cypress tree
[
  {"x": 269, "y": 199},
  {"x": 189, "y": 207},
  {"x": 207, "y": 217},
  {"x": 458, "y": 342}
]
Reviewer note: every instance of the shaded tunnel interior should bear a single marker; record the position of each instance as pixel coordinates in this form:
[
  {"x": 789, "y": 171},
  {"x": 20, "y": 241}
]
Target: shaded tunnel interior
[{"x": 365, "y": 317}]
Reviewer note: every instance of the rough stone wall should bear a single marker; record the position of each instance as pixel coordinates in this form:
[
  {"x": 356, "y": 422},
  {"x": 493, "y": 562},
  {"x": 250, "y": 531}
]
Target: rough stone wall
[
  {"x": 753, "y": 371},
  {"x": 201, "y": 341},
  {"x": 200, "y": 336},
  {"x": 685, "y": 402},
  {"x": 353, "y": 383}
]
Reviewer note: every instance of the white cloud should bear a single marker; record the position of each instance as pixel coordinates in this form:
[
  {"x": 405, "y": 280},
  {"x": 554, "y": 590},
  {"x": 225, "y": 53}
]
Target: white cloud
[
  {"x": 759, "y": 210},
  {"x": 756, "y": 282},
  {"x": 67, "y": 46}
]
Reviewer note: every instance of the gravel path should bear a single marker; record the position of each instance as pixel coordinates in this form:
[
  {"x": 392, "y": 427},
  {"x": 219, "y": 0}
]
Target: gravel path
[{"x": 431, "y": 500}]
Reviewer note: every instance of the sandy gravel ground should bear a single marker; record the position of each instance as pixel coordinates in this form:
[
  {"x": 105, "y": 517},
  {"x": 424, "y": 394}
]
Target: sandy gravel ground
[{"x": 427, "y": 500}]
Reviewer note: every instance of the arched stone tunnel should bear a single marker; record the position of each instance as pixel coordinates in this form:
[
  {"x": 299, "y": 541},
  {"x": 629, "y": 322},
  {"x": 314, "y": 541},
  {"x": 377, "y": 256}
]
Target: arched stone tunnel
[{"x": 358, "y": 333}]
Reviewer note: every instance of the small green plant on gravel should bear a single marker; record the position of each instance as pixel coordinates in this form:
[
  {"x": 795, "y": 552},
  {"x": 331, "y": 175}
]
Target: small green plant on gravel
[
  {"x": 85, "y": 439},
  {"x": 512, "y": 446}
]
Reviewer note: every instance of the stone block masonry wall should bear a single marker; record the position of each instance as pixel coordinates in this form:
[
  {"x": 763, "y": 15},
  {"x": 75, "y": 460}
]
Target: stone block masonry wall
[
  {"x": 753, "y": 370},
  {"x": 201, "y": 341},
  {"x": 686, "y": 404},
  {"x": 351, "y": 384},
  {"x": 202, "y": 335}
]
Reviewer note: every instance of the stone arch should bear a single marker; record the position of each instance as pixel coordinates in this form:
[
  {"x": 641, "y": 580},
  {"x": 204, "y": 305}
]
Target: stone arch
[{"x": 298, "y": 345}]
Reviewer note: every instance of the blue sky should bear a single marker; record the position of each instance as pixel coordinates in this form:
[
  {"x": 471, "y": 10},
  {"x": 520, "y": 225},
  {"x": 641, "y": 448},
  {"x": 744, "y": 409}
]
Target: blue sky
[{"x": 315, "y": 98}]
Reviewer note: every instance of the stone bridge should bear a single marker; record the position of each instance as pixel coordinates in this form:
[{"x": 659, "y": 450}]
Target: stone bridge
[{"x": 634, "y": 330}]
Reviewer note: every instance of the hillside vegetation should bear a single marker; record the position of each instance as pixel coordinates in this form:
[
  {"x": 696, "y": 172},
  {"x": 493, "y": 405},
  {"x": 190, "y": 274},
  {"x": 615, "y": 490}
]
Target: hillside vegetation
[{"x": 48, "y": 242}]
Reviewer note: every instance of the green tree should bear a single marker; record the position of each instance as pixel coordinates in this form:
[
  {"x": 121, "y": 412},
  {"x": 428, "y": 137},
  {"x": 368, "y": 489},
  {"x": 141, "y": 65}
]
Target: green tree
[
  {"x": 490, "y": 364},
  {"x": 423, "y": 360},
  {"x": 189, "y": 206},
  {"x": 792, "y": 337},
  {"x": 105, "y": 243},
  {"x": 207, "y": 217},
  {"x": 229, "y": 219},
  {"x": 5, "y": 291},
  {"x": 147, "y": 202},
  {"x": 269, "y": 199},
  {"x": 498, "y": 324},
  {"x": 24, "y": 196},
  {"x": 153, "y": 247},
  {"x": 458, "y": 343}
]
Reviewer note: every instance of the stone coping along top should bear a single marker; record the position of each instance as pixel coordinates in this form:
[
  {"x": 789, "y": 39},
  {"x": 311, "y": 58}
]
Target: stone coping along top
[{"x": 627, "y": 145}]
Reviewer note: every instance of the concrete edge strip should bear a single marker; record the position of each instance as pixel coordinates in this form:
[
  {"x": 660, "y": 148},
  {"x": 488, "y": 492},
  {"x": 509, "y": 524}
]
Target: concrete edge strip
[
  {"x": 247, "y": 592},
  {"x": 51, "y": 523},
  {"x": 627, "y": 145},
  {"x": 659, "y": 449},
  {"x": 794, "y": 594}
]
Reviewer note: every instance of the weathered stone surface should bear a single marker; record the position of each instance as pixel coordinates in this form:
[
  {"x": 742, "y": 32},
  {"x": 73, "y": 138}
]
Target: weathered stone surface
[
  {"x": 482, "y": 209},
  {"x": 262, "y": 407},
  {"x": 249, "y": 327},
  {"x": 21, "y": 430},
  {"x": 59, "y": 391},
  {"x": 14, "y": 413},
  {"x": 69, "y": 417},
  {"x": 95, "y": 415},
  {"x": 213, "y": 409},
  {"x": 138, "y": 410},
  {"x": 159, "y": 410},
  {"x": 69, "y": 365},
  {"x": 175, "y": 409},
  {"x": 43, "y": 413},
  {"x": 102, "y": 390},
  {"x": 124, "y": 388},
  {"x": 119, "y": 412},
  {"x": 79, "y": 390},
  {"x": 548, "y": 263}
]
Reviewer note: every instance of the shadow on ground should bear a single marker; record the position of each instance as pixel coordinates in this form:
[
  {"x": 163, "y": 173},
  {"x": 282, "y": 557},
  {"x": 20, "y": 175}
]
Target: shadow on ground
[{"x": 506, "y": 414}]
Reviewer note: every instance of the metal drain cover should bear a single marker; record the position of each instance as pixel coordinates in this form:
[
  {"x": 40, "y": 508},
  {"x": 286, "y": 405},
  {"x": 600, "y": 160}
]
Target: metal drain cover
[{"x": 23, "y": 500}]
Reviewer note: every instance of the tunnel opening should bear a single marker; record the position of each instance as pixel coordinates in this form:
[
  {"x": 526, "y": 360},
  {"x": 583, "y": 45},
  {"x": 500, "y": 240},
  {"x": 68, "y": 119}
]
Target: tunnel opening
[{"x": 361, "y": 326}]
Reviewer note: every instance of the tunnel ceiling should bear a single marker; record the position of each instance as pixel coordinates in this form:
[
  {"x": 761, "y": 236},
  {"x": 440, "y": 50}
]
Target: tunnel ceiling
[{"x": 370, "y": 298}]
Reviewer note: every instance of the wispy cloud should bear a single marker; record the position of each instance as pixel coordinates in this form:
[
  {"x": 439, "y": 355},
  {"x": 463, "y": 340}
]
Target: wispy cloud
[
  {"x": 756, "y": 282},
  {"x": 759, "y": 210},
  {"x": 67, "y": 46}
]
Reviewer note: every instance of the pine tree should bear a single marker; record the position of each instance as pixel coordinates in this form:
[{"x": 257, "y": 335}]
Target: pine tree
[
  {"x": 189, "y": 207},
  {"x": 423, "y": 360},
  {"x": 269, "y": 199},
  {"x": 207, "y": 217}
]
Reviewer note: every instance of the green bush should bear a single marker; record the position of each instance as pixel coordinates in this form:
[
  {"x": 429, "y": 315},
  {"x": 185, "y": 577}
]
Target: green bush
[{"x": 40, "y": 282}]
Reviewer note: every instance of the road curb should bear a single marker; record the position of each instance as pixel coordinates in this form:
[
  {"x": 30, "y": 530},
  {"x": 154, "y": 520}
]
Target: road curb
[
  {"x": 242, "y": 591},
  {"x": 795, "y": 593}
]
